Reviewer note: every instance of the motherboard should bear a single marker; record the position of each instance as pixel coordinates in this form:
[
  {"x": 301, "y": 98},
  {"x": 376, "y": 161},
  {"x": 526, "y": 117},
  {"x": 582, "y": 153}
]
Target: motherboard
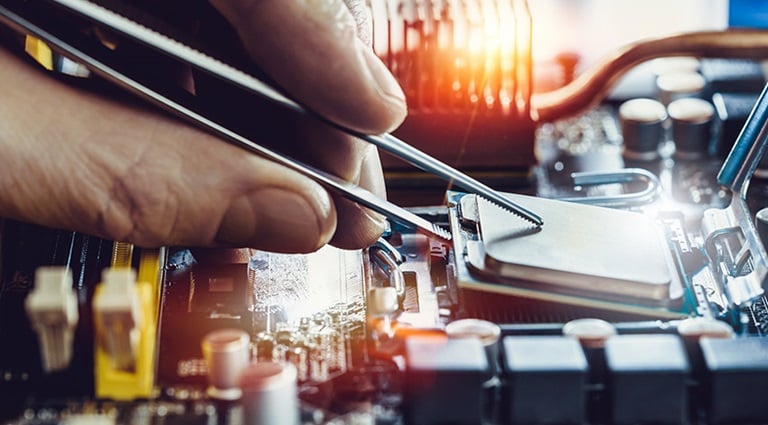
[
  {"x": 640, "y": 300},
  {"x": 501, "y": 325}
]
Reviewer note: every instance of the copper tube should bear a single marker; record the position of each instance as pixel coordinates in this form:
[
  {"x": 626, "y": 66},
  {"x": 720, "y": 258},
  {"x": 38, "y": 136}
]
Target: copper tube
[{"x": 592, "y": 86}]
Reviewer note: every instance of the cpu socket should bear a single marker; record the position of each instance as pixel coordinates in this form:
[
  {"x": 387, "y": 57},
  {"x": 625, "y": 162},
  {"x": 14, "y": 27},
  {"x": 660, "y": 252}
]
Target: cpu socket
[{"x": 583, "y": 255}]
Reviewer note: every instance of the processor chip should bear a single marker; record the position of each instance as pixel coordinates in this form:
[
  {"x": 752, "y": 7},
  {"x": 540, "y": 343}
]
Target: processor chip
[{"x": 579, "y": 250}]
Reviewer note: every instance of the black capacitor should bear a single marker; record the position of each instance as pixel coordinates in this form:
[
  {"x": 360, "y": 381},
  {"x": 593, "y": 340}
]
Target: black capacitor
[
  {"x": 761, "y": 223},
  {"x": 592, "y": 334},
  {"x": 488, "y": 333},
  {"x": 692, "y": 329},
  {"x": 738, "y": 379},
  {"x": 691, "y": 121},
  {"x": 732, "y": 75},
  {"x": 648, "y": 376},
  {"x": 545, "y": 379},
  {"x": 731, "y": 112},
  {"x": 642, "y": 128},
  {"x": 444, "y": 380}
]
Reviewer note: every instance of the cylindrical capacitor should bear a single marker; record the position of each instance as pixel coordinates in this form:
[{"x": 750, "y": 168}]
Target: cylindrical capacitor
[
  {"x": 761, "y": 222},
  {"x": 270, "y": 395},
  {"x": 642, "y": 127},
  {"x": 695, "y": 328},
  {"x": 487, "y": 332},
  {"x": 691, "y": 126},
  {"x": 692, "y": 330},
  {"x": 668, "y": 65},
  {"x": 592, "y": 334},
  {"x": 679, "y": 85},
  {"x": 226, "y": 353}
]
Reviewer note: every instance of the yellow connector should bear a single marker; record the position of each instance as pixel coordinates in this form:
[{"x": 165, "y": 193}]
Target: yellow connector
[
  {"x": 39, "y": 51},
  {"x": 125, "y": 315}
]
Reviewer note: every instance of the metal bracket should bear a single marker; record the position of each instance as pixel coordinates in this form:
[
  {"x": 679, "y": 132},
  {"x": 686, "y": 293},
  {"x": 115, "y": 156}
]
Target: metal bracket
[
  {"x": 627, "y": 175},
  {"x": 731, "y": 238}
]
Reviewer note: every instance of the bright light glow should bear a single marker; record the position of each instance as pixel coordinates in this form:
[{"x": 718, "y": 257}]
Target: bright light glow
[{"x": 457, "y": 53}]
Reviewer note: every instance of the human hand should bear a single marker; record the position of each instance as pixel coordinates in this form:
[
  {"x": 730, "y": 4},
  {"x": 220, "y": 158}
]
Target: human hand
[{"x": 75, "y": 160}]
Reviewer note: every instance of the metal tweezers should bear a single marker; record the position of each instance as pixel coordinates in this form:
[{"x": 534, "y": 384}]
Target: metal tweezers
[{"x": 71, "y": 47}]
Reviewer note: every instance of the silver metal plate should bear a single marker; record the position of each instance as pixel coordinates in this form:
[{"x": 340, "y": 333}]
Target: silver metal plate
[{"x": 581, "y": 248}]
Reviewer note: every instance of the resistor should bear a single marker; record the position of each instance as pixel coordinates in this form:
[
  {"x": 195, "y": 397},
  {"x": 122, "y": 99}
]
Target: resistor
[
  {"x": 265, "y": 347},
  {"x": 337, "y": 341},
  {"x": 319, "y": 355},
  {"x": 298, "y": 356}
]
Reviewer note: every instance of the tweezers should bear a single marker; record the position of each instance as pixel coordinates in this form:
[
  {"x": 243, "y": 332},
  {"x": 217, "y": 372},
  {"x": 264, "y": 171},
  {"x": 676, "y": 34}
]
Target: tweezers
[{"x": 71, "y": 47}]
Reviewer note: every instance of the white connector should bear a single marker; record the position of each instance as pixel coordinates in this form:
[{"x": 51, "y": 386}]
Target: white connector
[
  {"x": 52, "y": 311},
  {"x": 117, "y": 311}
]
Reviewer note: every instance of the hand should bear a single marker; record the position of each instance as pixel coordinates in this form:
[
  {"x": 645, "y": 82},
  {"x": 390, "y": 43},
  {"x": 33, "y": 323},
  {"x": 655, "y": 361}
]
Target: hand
[{"x": 75, "y": 160}]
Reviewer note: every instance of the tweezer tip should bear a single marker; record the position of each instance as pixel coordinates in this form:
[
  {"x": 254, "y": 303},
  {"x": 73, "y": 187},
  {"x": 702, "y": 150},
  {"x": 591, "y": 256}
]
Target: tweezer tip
[
  {"x": 517, "y": 210},
  {"x": 440, "y": 232}
]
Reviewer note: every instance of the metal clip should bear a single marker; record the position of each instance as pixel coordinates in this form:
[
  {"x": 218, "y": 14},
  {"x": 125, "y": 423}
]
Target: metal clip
[
  {"x": 388, "y": 258},
  {"x": 627, "y": 175},
  {"x": 744, "y": 265}
]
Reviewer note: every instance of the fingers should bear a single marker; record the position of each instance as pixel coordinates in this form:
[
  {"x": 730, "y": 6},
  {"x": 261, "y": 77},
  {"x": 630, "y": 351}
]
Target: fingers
[
  {"x": 77, "y": 161},
  {"x": 312, "y": 49},
  {"x": 354, "y": 161},
  {"x": 130, "y": 175},
  {"x": 362, "y": 226},
  {"x": 319, "y": 52}
]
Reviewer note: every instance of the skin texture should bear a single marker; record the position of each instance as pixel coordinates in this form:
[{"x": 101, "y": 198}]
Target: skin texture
[{"x": 79, "y": 161}]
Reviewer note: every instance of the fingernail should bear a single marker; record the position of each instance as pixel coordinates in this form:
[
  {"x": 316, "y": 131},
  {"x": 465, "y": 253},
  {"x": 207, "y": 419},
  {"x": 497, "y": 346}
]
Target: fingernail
[
  {"x": 378, "y": 221},
  {"x": 385, "y": 81},
  {"x": 276, "y": 219},
  {"x": 371, "y": 177}
]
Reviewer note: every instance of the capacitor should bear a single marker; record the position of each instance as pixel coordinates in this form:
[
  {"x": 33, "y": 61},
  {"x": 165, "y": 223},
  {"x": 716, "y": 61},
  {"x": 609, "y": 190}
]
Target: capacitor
[
  {"x": 544, "y": 377},
  {"x": 642, "y": 127},
  {"x": 270, "y": 395},
  {"x": 652, "y": 367},
  {"x": 591, "y": 333},
  {"x": 737, "y": 379},
  {"x": 661, "y": 66},
  {"x": 487, "y": 332},
  {"x": 691, "y": 121},
  {"x": 226, "y": 353},
  {"x": 761, "y": 222},
  {"x": 444, "y": 379},
  {"x": 678, "y": 85},
  {"x": 695, "y": 328},
  {"x": 692, "y": 330}
]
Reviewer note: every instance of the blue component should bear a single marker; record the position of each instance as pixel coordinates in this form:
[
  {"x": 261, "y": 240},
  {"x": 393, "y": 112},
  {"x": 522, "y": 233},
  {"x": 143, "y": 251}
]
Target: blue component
[
  {"x": 748, "y": 14},
  {"x": 748, "y": 148}
]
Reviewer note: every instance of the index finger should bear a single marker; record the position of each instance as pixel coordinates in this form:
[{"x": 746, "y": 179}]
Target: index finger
[{"x": 311, "y": 48}]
